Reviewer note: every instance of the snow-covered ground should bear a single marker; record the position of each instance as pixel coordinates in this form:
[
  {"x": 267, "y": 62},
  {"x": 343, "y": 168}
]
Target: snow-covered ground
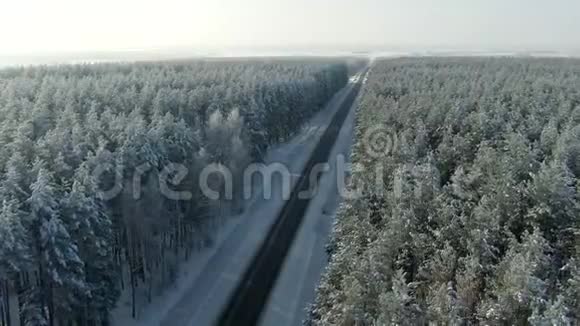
[{"x": 209, "y": 277}]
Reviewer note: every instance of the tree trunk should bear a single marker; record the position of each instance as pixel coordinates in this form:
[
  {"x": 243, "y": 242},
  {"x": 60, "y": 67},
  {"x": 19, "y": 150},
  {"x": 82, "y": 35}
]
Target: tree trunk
[
  {"x": 43, "y": 289},
  {"x": 131, "y": 272},
  {"x": 4, "y": 310},
  {"x": 51, "y": 316},
  {"x": 12, "y": 305}
]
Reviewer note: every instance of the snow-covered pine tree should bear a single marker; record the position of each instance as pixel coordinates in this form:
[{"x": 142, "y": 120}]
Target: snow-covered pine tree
[
  {"x": 90, "y": 223},
  {"x": 60, "y": 269}
]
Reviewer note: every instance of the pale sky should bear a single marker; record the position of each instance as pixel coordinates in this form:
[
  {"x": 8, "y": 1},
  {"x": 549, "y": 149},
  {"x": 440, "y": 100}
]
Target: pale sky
[{"x": 29, "y": 26}]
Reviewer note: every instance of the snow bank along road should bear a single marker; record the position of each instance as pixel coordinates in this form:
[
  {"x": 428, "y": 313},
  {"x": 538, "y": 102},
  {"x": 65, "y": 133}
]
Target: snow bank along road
[{"x": 251, "y": 295}]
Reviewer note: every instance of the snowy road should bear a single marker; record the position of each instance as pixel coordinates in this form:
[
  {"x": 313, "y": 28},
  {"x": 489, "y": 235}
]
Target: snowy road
[
  {"x": 251, "y": 296},
  {"x": 202, "y": 302},
  {"x": 296, "y": 286}
]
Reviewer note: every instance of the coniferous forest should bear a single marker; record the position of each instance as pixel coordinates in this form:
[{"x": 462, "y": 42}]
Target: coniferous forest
[
  {"x": 466, "y": 169},
  {"x": 469, "y": 210},
  {"x": 67, "y": 249}
]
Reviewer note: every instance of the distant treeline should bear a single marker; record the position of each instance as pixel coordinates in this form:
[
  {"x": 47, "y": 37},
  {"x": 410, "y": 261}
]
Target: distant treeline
[
  {"x": 475, "y": 218},
  {"x": 66, "y": 251}
]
